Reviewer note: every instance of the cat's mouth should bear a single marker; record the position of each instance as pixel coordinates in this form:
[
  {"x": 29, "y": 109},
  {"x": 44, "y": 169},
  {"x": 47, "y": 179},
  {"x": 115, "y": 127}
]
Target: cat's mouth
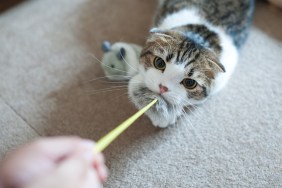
[
  {"x": 161, "y": 98},
  {"x": 151, "y": 95}
]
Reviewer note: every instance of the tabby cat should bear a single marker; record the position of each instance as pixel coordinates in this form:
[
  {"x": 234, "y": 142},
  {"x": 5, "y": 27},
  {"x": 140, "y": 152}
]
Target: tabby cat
[{"x": 189, "y": 55}]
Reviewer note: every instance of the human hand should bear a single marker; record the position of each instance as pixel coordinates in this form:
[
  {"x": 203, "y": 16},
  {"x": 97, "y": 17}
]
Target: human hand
[{"x": 67, "y": 162}]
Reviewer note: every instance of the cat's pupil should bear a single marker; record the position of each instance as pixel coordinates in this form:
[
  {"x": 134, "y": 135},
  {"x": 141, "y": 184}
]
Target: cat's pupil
[
  {"x": 112, "y": 66},
  {"x": 159, "y": 63},
  {"x": 189, "y": 83}
]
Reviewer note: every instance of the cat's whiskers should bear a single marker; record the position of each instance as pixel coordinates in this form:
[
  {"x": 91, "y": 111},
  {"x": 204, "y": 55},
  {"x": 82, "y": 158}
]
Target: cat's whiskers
[
  {"x": 117, "y": 83},
  {"x": 118, "y": 97},
  {"x": 183, "y": 123},
  {"x": 182, "y": 107},
  {"x": 174, "y": 113},
  {"x": 114, "y": 87},
  {"x": 206, "y": 110},
  {"x": 133, "y": 80},
  {"x": 193, "y": 112},
  {"x": 185, "y": 119},
  {"x": 105, "y": 77},
  {"x": 92, "y": 55},
  {"x": 110, "y": 88},
  {"x": 196, "y": 108},
  {"x": 105, "y": 91},
  {"x": 120, "y": 82},
  {"x": 128, "y": 63},
  {"x": 193, "y": 130}
]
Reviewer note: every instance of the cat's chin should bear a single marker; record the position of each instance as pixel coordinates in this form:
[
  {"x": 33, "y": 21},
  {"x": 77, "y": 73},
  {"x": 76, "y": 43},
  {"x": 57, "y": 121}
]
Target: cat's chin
[{"x": 162, "y": 98}]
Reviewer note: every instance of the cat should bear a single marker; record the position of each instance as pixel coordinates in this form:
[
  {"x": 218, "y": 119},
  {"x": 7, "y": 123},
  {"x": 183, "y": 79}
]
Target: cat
[{"x": 189, "y": 55}]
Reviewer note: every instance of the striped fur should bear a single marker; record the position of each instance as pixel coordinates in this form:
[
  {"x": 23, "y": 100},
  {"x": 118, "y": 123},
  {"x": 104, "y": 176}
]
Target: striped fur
[{"x": 233, "y": 16}]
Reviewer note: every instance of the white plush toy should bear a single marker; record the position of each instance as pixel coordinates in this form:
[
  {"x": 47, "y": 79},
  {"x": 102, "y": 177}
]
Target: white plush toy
[{"x": 120, "y": 60}]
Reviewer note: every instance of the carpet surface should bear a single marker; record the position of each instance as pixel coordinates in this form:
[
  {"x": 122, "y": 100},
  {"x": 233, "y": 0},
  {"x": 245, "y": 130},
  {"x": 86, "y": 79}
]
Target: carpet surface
[{"x": 48, "y": 80}]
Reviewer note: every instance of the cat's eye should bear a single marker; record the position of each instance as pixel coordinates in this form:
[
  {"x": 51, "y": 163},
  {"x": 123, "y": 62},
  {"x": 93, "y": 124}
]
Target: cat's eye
[
  {"x": 189, "y": 83},
  {"x": 159, "y": 63}
]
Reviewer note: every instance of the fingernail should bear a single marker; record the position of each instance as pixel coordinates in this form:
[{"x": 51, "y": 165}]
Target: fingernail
[{"x": 105, "y": 173}]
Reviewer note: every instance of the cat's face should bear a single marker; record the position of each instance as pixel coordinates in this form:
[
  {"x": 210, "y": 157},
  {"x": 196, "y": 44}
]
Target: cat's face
[{"x": 177, "y": 69}]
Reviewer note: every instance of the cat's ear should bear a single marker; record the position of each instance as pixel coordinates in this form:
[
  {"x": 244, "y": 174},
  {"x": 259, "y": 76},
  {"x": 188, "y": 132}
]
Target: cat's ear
[
  {"x": 106, "y": 46},
  {"x": 161, "y": 33},
  {"x": 217, "y": 64},
  {"x": 156, "y": 30},
  {"x": 121, "y": 54}
]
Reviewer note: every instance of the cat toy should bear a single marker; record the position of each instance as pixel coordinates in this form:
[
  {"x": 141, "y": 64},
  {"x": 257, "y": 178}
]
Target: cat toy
[
  {"x": 120, "y": 60},
  {"x": 111, "y": 136}
]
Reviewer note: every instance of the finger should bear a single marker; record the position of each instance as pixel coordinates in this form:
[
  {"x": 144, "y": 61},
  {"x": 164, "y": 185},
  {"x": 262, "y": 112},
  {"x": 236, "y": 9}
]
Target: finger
[
  {"x": 102, "y": 172},
  {"x": 99, "y": 158},
  {"x": 99, "y": 165},
  {"x": 92, "y": 180},
  {"x": 60, "y": 147}
]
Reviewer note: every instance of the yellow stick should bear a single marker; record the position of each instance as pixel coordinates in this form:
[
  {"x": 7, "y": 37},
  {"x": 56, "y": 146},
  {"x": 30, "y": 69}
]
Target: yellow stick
[{"x": 111, "y": 136}]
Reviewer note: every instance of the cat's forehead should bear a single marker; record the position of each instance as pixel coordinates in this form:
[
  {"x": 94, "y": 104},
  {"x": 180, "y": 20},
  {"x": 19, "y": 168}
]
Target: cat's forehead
[
  {"x": 182, "y": 52},
  {"x": 173, "y": 43}
]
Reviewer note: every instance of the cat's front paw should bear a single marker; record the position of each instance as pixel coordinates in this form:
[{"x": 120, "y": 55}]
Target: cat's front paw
[
  {"x": 157, "y": 121},
  {"x": 160, "y": 117}
]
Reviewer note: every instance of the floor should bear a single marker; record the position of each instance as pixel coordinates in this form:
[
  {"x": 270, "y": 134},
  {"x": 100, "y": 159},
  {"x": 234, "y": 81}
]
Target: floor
[{"x": 48, "y": 76}]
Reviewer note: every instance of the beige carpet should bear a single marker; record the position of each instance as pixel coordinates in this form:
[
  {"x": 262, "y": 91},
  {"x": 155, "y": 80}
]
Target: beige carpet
[{"x": 46, "y": 65}]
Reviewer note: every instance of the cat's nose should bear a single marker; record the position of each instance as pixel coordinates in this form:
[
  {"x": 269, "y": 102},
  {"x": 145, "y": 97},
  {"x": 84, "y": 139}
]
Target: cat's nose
[{"x": 163, "y": 89}]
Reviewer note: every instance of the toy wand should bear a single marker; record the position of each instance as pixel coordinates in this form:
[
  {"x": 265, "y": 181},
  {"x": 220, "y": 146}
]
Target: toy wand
[{"x": 111, "y": 136}]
